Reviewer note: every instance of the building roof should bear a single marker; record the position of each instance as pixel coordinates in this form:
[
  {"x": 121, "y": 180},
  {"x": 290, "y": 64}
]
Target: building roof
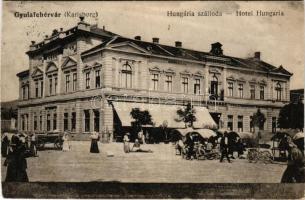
[
  {"x": 179, "y": 52},
  {"x": 297, "y": 91},
  {"x": 23, "y": 73}
]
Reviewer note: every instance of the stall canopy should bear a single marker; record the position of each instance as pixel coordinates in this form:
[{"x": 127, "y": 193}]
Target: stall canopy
[
  {"x": 203, "y": 132},
  {"x": 163, "y": 114}
]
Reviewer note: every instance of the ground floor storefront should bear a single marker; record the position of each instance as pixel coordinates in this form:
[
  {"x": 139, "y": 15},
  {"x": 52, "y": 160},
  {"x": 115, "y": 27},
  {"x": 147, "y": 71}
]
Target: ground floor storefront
[{"x": 111, "y": 117}]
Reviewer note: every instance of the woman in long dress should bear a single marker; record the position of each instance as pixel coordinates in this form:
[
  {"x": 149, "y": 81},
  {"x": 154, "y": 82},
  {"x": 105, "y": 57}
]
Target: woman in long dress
[
  {"x": 126, "y": 143},
  {"x": 16, "y": 163},
  {"x": 4, "y": 144},
  {"x": 66, "y": 145},
  {"x": 94, "y": 145}
]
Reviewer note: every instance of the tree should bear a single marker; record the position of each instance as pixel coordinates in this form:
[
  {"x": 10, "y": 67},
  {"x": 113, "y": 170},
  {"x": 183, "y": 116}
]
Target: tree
[
  {"x": 259, "y": 119},
  {"x": 187, "y": 115},
  {"x": 292, "y": 116},
  {"x": 141, "y": 118}
]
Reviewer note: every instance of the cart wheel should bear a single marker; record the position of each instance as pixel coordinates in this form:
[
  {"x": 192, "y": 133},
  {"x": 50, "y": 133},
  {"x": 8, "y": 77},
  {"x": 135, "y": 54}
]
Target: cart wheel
[
  {"x": 40, "y": 145},
  {"x": 57, "y": 144},
  {"x": 267, "y": 157}
]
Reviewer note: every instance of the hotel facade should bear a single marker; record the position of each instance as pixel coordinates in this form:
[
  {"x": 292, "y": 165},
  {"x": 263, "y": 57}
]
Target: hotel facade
[{"x": 87, "y": 79}]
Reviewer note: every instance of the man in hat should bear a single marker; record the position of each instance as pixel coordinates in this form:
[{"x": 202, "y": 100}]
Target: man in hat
[{"x": 224, "y": 147}]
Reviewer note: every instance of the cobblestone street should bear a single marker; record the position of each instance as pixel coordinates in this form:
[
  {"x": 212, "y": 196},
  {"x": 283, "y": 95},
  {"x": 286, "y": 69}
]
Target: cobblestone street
[{"x": 78, "y": 165}]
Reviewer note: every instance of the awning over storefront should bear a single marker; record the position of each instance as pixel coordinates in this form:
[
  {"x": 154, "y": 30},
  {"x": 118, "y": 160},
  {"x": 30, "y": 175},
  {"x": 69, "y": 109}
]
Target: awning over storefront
[
  {"x": 162, "y": 114},
  {"x": 203, "y": 118}
]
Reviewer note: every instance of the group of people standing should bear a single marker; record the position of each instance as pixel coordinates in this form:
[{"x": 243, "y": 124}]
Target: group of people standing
[
  {"x": 93, "y": 147},
  {"x": 16, "y": 154},
  {"x": 137, "y": 143}
]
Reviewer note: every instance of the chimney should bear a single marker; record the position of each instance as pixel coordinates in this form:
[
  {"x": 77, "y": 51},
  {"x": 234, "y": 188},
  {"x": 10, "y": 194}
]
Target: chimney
[
  {"x": 137, "y": 37},
  {"x": 178, "y": 44},
  {"x": 216, "y": 49},
  {"x": 46, "y": 36},
  {"x": 257, "y": 55},
  {"x": 155, "y": 40},
  {"x": 33, "y": 42},
  {"x": 61, "y": 29},
  {"x": 103, "y": 28}
]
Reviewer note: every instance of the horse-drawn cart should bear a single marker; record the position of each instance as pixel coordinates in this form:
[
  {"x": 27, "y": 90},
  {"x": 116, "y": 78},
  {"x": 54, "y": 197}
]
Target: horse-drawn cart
[{"x": 49, "y": 138}]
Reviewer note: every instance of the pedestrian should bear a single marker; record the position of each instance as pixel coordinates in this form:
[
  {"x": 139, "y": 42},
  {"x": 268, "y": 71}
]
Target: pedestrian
[
  {"x": 140, "y": 136},
  {"x": 240, "y": 147},
  {"x": 126, "y": 141},
  {"x": 66, "y": 143},
  {"x": 16, "y": 162},
  {"x": 295, "y": 171},
  {"x": 190, "y": 146},
  {"x": 224, "y": 147},
  {"x": 33, "y": 144},
  {"x": 136, "y": 146},
  {"x": 4, "y": 144},
  {"x": 94, "y": 142}
]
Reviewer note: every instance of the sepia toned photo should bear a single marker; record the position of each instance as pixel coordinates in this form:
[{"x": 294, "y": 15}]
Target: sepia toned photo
[{"x": 152, "y": 99}]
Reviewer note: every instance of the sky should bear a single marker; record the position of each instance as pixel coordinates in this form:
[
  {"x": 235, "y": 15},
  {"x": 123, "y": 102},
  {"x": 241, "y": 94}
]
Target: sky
[{"x": 280, "y": 39}]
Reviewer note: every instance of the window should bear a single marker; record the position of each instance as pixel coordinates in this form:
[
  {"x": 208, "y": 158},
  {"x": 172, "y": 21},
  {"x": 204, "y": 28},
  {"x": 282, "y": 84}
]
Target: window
[
  {"x": 214, "y": 86},
  {"x": 66, "y": 116},
  {"x": 240, "y": 90},
  {"x": 54, "y": 121},
  {"x": 67, "y": 82},
  {"x": 41, "y": 88},
  {"x": 40, "y": 123},
  {"x": 36, "y": 89},
  {"x": 126, "y": 76},
  {"x": 48, "y": 122},
  {"x": 273, "y": 124},
  {"x": 240, "y": 123},
  {"x": 87, "y": 120},
  {"x": 262, "y": 92},
  {"x": 185, "y": 84},
  {"x": 97, "y": 79},
  {"x": 88, "y": 80},
  {"x": 23, "y": 122},
  {"x": 50, "y": 86},
  {"x": 155, "y": 81},
  {"x": 251, "y": 124},
  {"x": 23, "y": 92},
  {"x": 96, "y": 121},
  {"x": 74, "y": 81},
  {"x": 252, "y": 91},
  {"x": 73, "y": 122},
  {"x": 230, "y": 89},
  {"x": 197, "y": 86},
  {"x": 278, "y": 89},
  {"x": 35, "y": 123},
  {"x": 230, "y": 122},
  {"x": 55, "y": 85},
  {"x": 169, "y": 83}
]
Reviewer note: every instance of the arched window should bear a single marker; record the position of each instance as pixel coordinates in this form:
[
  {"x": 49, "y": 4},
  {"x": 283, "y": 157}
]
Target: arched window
[
  {"x": 126, "y": 76},
  {"x": 278, "y": 89}
]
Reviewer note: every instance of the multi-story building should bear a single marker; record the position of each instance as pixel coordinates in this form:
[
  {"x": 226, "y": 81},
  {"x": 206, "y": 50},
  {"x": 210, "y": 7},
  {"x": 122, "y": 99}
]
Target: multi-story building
[{"x": 81, "y": 79}]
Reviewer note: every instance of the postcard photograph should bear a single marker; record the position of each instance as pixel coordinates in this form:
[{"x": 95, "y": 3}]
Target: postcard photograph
[{"x": 142, "y": 95}]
